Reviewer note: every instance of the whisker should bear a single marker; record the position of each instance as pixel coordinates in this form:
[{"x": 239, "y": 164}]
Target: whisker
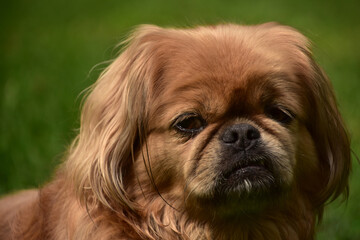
[{"x": 148, "y": 166}]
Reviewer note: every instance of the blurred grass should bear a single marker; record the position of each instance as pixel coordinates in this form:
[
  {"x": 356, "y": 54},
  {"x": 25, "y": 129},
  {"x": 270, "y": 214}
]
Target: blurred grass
[{"x": 49, "y": 47}]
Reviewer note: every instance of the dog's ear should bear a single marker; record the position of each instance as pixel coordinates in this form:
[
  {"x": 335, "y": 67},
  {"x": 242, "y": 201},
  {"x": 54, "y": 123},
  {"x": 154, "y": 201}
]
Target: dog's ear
[
  {"x": 330, "y": 136},
  {"x": 323, "y": 122},
  {"x": 113, "y": 121}
]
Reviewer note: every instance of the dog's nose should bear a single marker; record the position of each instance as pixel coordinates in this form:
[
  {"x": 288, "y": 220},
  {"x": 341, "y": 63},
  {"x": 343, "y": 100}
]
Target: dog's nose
[{"x": 241, "y": 136}]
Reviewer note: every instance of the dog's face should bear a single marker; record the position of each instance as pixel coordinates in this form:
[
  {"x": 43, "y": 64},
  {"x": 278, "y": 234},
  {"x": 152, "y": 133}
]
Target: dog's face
[{"x": 227, "y": 119}]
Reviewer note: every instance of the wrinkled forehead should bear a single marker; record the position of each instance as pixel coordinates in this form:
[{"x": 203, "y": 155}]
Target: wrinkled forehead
[{"x": 227, "y": 73}]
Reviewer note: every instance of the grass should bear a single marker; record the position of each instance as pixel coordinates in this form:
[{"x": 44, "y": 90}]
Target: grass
[{"x": 49, "y": 47}]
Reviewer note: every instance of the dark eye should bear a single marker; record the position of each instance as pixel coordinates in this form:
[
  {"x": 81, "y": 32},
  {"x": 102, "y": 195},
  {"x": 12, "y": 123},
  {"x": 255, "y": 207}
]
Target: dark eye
[
  {"x": 189, "y": 123},
  {"x": 279, "y": 114}
]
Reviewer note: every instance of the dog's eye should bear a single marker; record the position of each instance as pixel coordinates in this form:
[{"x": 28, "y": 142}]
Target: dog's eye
[
  {"x": 189, "y": 123},
  {"x": 279, "y": 114}
]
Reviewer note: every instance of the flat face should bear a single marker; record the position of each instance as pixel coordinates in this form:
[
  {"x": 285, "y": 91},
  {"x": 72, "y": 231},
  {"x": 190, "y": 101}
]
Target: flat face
[{"x": 226, "y": 116}]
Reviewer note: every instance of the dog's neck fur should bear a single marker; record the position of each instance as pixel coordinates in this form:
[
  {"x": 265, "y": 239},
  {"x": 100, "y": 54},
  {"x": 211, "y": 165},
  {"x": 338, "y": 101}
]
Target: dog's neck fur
[
  {"x": 156, "y": 220},
  {"x": 159, "y": 220},
  {"x": 162, "y": 221}
]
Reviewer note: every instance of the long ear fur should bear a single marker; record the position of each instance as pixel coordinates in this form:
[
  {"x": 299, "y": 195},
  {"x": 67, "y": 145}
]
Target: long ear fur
[
  {"x": 331, "y": 139},
  {"x": 328, "y": 131},
  {"x": 111, "y": 122},
  {"x": 324, "y": 122}
]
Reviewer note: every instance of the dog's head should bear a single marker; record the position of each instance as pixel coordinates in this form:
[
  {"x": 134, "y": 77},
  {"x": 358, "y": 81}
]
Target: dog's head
[{"x": 223, "y": 119}]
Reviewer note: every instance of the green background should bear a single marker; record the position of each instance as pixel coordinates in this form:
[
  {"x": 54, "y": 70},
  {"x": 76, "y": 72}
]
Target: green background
[{"x": 50, "y": 51}]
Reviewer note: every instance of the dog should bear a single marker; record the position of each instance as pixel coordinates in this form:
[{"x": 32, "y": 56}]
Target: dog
[{"x": 213, "y": 132}]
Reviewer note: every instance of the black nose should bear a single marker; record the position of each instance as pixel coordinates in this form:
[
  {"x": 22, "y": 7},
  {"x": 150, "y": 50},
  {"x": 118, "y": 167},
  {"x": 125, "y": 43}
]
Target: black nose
[{"x": 241, "y": 136}]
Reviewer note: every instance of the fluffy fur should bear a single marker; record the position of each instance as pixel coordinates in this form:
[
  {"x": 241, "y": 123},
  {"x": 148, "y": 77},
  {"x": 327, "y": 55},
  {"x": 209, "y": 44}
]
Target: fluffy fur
[{"x": 219, "y": 132}]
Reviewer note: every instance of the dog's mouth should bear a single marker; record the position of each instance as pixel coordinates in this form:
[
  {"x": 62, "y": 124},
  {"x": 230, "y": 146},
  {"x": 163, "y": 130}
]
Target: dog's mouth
[
  {"x": 247, "y": 177},
  {"x": 250, "y": 170}
]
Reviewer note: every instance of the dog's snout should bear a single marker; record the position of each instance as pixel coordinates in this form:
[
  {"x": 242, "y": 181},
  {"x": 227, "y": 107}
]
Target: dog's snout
[{"x": 241, "y": 136}]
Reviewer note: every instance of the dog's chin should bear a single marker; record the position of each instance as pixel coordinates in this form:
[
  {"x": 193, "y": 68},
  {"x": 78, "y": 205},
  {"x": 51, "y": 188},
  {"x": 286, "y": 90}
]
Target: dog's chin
[
  {"x": 253, "y": 181},
  {"x": 243, "y": 190},
  {"x": 248, "y": 179}
]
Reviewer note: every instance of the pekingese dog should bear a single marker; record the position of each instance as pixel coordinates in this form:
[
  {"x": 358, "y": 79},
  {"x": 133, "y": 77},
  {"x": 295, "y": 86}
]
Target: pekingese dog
[{"x": 218, "y": 132}]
